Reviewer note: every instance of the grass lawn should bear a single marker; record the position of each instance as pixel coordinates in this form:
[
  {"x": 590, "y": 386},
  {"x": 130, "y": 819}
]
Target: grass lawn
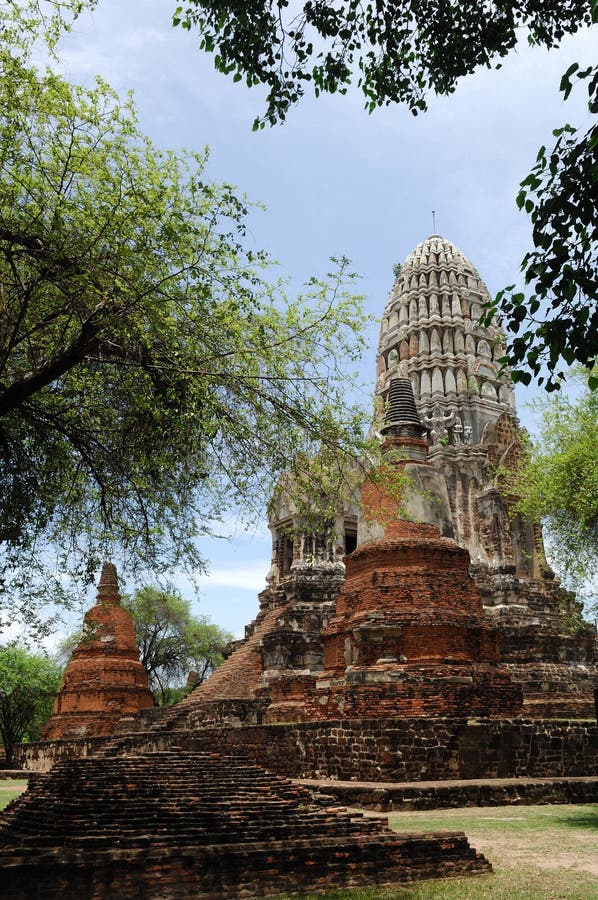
[
  {"x": 537, "y": 852},
  {"x": 9, "y": 789}
]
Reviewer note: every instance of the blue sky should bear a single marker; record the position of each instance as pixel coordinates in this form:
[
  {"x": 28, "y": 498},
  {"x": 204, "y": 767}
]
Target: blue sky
[{"x": 337, "y": 181}]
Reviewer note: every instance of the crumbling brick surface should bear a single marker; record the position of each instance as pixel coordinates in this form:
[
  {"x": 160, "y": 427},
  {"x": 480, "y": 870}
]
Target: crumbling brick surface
[
  {"x": 203, "y": 826},
  {"x": 104, "y": 679},
  {"x": 392, "y": 749},
  {"x": 386, "y": 796},
  {"x": 414, "y": 749},
  {"x": 409, "y": 636},
  {"x": 232, "y": 693}
]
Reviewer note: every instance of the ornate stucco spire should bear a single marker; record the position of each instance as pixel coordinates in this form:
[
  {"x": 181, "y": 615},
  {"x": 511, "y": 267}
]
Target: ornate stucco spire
[{"x": 431, "y": 334}]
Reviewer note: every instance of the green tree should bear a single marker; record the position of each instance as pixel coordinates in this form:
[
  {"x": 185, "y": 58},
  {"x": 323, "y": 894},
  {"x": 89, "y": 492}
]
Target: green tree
[
  {"x": 150, "y": 373},
  {"x": 173, "y": 643},
  {"x": 558, "y": 483},
  {"x": 556, "y": 321},
  {"x": 400, "y": 52},
  {"x": 28, "y": 683}
]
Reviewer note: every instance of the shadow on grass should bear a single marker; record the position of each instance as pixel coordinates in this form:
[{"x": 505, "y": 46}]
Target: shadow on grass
[{"x": 587, "y": 820}]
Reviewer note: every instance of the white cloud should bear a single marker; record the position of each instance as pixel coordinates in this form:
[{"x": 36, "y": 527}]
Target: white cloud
[{"x": 246, "y": 578}]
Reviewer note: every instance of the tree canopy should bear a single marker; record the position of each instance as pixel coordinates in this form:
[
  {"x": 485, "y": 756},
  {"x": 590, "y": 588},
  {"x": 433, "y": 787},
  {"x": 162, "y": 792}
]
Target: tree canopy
[
  {"x": 558, "y": 483},
  {"x": 151, "y": 371},
  {"x": 400, "y": 52},
  {"x": 173, "y": 643},
  {"x": 397, "y": 52},
  {"x": 556, "y": 322},
  {"x": 28, "y": 683}
]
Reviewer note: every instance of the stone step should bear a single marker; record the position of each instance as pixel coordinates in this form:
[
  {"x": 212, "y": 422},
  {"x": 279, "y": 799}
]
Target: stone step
[{"x": 387, "y": 796}]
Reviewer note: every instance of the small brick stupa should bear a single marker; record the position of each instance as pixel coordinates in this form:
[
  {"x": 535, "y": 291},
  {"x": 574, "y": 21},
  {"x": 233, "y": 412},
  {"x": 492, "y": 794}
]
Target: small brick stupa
[
  {"x": 409, "y": 635},
  {"x": 104, "y": 679}
]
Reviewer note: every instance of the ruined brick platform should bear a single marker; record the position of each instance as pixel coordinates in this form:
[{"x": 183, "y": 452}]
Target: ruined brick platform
[
  {"x": 408, "y": 637},
  {"x": 459, "y": 416},
  {"x": 401, "y": 796},
  {"x": 201, "y": 825}
]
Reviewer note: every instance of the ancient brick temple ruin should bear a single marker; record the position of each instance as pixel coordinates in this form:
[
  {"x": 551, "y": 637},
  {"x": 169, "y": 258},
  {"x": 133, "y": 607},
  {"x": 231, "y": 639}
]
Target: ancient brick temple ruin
[
  {"x": 414, "y": 638},
  {"x": 408, "y": 636},
  {"x": 460, "y": 431},
  {"x": 104, "y": 679}
]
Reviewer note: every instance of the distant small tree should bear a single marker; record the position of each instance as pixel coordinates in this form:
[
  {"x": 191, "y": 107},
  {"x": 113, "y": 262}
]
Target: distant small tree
[
  {"x": 173, "y": 642},
  {"x": 28, "y": 683}
]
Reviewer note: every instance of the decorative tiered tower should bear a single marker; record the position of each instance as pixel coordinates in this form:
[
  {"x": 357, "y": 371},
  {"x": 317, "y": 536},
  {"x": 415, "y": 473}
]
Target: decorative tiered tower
[
  {"x": 431, "y": 333},
  {"x": 445, "y": 400},
  {"x": 409, "y": 636},
  {"x": 104, "y": 679}
]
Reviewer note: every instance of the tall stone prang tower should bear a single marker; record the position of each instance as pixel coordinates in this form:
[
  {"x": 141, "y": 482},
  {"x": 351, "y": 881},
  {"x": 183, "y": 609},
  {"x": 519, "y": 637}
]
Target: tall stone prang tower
[
  {"x": 446, "y": 401},
  {"x": 430, "y": 331},
  {"x": 431, "y": 334}
]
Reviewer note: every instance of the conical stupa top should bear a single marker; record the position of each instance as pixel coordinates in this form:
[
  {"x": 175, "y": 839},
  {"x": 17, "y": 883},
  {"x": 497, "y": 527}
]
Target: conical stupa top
[
  {"x": 401, "y": 410},
  {"x": 108, "y": 585},
  {"x": 104, "y": 679},
  {"x": 432, "y": 335}
]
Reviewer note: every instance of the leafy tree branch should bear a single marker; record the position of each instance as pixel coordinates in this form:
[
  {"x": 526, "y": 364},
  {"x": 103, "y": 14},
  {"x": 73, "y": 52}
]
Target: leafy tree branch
[
  {"x": 555, "y": 322},
  {"x": 557, "y": 482},
  {"x": 152, "y": 371},
  {"x": 396, "y": 52}
]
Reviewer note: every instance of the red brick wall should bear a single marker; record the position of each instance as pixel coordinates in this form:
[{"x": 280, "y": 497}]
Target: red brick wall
[{"x": 394, "y": 749}]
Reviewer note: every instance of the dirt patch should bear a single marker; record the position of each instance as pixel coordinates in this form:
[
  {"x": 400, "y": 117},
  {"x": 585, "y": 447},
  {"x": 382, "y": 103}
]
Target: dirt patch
[
  {"x": 540, "y": 838},
  {"x": 568, "y": 861},
  {"x": 513, "y": 853}
]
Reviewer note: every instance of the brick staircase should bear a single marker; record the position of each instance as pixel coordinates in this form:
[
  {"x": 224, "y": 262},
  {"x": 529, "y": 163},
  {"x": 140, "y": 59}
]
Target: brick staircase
[
  {"x": 200, "y": 825},
  {"x": 231, "y": 693}
]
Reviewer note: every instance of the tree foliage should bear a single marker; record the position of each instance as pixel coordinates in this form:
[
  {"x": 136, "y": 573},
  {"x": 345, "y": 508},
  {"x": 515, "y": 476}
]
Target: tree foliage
[
  {"x": 28, "y": 683},
  {"x": 173, "y": 643},
  {"x": 558, "y": 483},
  {"x": 150, "y": 371},
  {"x": 556, "y": 320},
  {"x": 398, "y": 52}
]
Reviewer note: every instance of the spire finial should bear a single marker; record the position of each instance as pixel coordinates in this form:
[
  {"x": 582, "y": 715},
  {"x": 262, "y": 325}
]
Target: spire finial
[{"x": 433, "y": 221}]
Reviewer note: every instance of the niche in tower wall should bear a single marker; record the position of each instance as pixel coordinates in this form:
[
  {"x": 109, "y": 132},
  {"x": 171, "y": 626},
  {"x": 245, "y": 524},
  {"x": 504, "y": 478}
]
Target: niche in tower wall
[
  {"x": 494, "y": 526},
  {"x": 318, "y": 545},
  {"x": 523, "y": 545},
  {"x": 284, "y": 551},
  {"x": 350, "y": 539}
]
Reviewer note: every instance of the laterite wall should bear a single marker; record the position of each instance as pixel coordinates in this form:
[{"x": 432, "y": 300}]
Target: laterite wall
[{"x": 376, "y": 750}]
